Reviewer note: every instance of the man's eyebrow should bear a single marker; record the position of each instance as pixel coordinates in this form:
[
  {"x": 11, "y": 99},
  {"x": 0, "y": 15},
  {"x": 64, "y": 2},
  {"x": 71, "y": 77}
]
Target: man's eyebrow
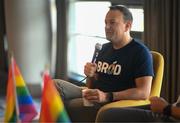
[{"x": 112, "y": 19}]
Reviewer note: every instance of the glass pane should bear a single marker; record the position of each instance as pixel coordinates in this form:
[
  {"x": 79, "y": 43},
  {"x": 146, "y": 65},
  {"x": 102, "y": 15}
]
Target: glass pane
[
  {"x": 86, "y": 28},
  {"x": 89, "y": 17},
  {"x": 138, "y": 19}
]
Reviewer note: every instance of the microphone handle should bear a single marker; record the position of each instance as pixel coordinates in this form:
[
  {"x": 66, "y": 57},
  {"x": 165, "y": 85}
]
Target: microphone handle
[{"x": 94, "y": 57}]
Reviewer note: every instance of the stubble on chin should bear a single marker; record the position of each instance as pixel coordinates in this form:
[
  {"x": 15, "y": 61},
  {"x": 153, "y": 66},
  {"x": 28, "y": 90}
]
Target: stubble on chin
[{"x": 109, "y": 38}]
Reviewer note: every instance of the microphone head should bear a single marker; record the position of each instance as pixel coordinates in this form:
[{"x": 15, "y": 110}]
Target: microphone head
[{"x": 98, "y": 46}]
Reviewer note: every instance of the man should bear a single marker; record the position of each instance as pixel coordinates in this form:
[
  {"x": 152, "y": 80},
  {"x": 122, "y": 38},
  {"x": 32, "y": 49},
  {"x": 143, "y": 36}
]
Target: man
[
  {"x": 161, "y": 110},
  {"x": 123, "y": 69}
]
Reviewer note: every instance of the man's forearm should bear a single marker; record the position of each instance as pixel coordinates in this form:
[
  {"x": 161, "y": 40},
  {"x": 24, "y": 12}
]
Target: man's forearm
[
  {"x": 89, "y": 82},
  {"x": 133, "y": 93}
]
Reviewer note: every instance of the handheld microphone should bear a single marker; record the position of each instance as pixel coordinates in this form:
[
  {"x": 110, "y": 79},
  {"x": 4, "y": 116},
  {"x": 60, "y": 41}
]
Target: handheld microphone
[{"x": 98, "y": 47}]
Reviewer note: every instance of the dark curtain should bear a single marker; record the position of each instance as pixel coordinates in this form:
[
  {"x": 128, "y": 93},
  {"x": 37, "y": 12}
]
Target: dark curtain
[
  {"x": 162, "y": 34},
  {"x": 61, "y": 62},
  {"x": 3, "y": 55}
]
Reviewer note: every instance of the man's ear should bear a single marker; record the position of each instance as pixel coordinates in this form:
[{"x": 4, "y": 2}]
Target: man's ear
[{"x": 128, "y": 26}]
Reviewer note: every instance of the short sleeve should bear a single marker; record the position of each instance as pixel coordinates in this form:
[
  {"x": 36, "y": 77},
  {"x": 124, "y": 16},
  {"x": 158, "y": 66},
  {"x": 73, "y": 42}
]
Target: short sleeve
[{"x": 143, "y": 65}]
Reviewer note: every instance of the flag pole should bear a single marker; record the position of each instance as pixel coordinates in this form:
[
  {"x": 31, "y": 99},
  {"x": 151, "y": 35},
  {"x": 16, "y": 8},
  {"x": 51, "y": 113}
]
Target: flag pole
[{"x": 15, "y": 93}]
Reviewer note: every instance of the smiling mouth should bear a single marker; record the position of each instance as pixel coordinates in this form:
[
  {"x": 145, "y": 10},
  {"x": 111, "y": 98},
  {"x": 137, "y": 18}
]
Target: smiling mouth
[{"x": 109, "y": 33}]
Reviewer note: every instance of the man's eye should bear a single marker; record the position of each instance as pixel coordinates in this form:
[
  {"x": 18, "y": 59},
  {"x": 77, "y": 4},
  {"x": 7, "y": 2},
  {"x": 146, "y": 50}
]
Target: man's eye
[{"x": 112, "y": 22}]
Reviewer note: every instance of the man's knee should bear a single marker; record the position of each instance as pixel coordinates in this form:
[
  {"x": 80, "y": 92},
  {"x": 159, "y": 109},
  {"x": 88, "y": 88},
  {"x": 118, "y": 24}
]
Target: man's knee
[
  {"x": 59, "y": 88},
  {"x": 67, "y": 90}
]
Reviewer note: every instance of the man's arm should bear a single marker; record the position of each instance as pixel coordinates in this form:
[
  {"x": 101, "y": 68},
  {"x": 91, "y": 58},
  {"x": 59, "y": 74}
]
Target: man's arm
[
  {"x": 90, "y": 72},
  {"x": 142, "y": 90},
  {"x": 89, "y": 82},
  {"x": 158, "y": 104},
  {"x": 175, "y": 112}
]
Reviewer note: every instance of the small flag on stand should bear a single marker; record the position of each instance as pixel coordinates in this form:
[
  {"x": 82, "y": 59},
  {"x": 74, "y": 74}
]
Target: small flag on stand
[
  {"x": 19, "y": 103},
  {"x": 52, "y": 107}
]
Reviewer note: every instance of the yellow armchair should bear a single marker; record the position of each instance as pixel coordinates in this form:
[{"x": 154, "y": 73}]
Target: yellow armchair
[{"x": 158, "y": 66}]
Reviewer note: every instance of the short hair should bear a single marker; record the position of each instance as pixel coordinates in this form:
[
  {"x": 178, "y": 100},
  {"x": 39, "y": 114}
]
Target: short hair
[{"x": 127, "y": 15}]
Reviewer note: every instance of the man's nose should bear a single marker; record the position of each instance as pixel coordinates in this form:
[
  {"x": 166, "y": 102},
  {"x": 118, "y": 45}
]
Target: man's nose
[{"x": 107, "y": 26}]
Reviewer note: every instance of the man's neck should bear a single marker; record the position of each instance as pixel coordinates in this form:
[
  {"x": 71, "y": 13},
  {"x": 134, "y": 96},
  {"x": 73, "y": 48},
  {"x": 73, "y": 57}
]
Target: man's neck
[{"x": 123, "y": 43}]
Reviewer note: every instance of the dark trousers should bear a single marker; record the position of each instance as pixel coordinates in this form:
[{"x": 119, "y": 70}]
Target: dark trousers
[
  {"x": 131, "y": 115},
  {"x": 80, "y": 113}
]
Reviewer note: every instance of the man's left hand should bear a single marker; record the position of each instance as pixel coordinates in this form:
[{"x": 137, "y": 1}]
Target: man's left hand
[{"x": 95, "y": 95}]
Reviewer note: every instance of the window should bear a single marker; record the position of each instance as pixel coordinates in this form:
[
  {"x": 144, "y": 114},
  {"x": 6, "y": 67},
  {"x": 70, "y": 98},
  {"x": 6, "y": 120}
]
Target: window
[
  {"x": 138, "y": 19},
  {"x": 86, "y": 28}
]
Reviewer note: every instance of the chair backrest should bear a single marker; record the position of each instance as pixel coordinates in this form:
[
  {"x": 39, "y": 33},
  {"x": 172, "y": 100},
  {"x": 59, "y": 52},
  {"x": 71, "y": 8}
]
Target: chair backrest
[{"x": 158, "y": 65}]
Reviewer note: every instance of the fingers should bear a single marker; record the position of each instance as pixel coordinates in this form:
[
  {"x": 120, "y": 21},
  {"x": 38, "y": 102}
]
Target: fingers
[
  {"x": 90, "y": 92},
  {"x": 94, "y": 95},
  {"x": 91, "y": 95},
  {"x": 92, "y": 98},
  {"x": 157, "y": 104},
  {"x": 157, "y": 99},
  {"x": 154, "y": 98},
  {"x": 90, "y": 69}
]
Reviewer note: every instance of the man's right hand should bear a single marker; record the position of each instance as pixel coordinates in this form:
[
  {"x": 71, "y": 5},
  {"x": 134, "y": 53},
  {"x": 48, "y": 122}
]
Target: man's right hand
[{"x": 90, "y": 69}]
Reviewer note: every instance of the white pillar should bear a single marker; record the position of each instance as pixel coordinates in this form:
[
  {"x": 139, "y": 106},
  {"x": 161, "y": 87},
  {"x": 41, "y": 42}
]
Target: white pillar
[{"x": 29, "y": 36}]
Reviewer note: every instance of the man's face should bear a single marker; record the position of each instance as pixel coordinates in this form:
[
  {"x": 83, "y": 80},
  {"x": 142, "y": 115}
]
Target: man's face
[{"x": 115, "y": 26}]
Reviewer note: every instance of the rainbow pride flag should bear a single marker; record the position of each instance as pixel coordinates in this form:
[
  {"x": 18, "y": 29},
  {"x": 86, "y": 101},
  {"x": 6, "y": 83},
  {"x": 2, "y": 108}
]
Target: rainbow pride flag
[
  {"x": 19, "y": 103},
  {"x": 52, "y": 107}
]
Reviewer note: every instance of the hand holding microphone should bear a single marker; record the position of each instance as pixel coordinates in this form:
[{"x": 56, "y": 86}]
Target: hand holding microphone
[{"x": 90, "y": 68}]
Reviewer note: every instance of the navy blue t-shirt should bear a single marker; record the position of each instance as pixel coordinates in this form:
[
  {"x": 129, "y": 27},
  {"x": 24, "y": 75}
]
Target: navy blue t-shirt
[{"x": 117, "y": 69}]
